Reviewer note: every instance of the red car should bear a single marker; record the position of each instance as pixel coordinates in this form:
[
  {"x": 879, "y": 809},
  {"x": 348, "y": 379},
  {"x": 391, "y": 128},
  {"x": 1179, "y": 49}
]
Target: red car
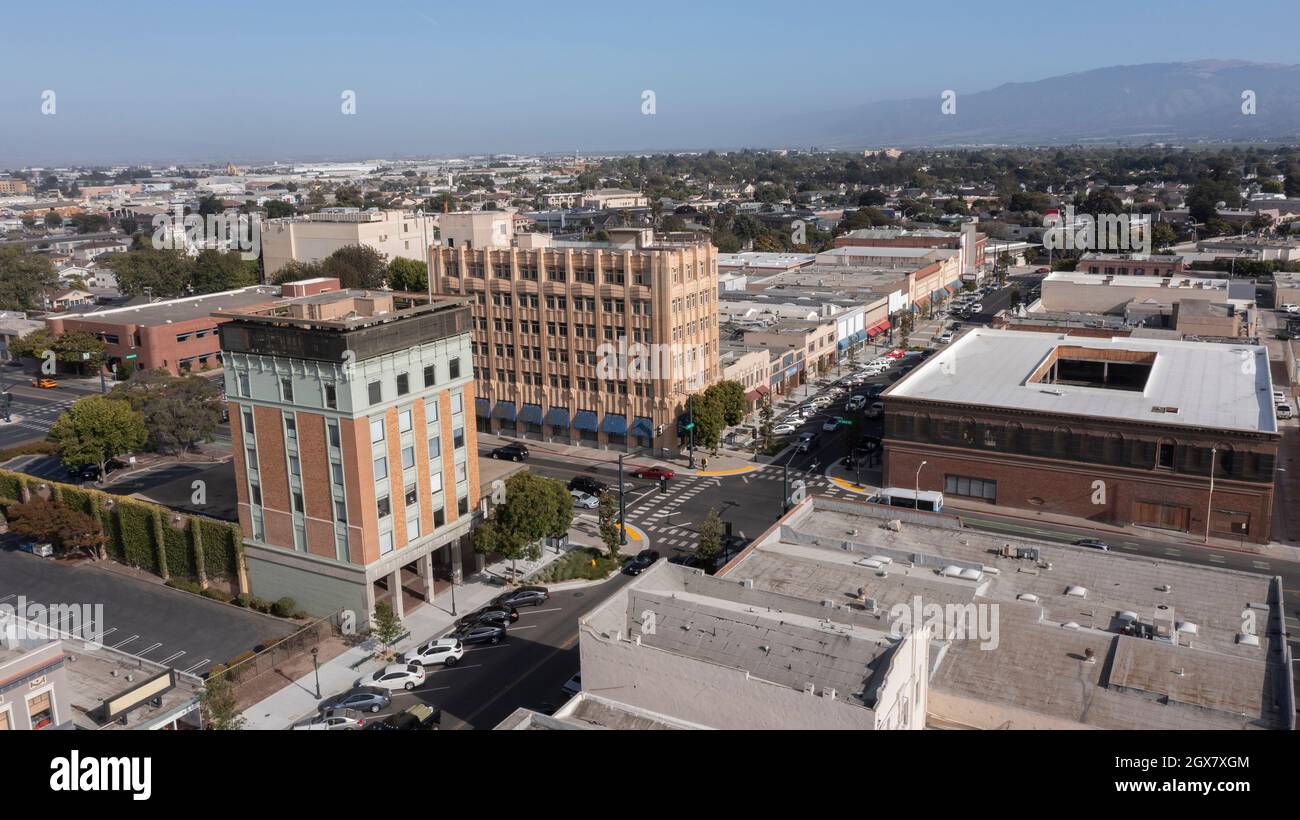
[
  {"x": 653, "y": 472},
  {"x": 896, "y": 353},
  {"x": 1043, "y": 270}
]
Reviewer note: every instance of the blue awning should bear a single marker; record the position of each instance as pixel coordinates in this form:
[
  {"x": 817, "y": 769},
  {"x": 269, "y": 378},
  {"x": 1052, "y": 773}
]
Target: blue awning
[
  {"x": 558, "y": 417},
  {"x": 643, "y": 427},
  {"x": 792, "y": 371},
  {"x": 845, "y": 343},
  {"x": 531, "y": 414},
  {"x": 857, "y": 337},
  {"x": 615, "y": 425},
  {"x": 482, "y": 407},
  {"x": 505, "y": 410},
  {"x": 585, "y": 420}
]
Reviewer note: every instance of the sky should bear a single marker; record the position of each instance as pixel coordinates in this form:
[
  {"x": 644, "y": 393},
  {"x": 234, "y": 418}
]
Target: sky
[{"x": 242, "y": 81}]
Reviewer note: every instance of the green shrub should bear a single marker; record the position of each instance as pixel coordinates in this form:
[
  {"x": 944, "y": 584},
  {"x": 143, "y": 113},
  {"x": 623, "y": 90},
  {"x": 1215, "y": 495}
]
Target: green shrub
[
  {"x": 180, "y": 558},
  {"x": 284, "y": 608},
  {"x": 216, "y": 595},
  {"x": 185, "y": 584},
  {"x": 136, "y": 522}
]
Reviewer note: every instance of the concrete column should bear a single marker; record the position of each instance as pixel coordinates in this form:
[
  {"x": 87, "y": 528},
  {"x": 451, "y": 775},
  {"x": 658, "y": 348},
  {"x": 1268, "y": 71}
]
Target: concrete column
[
  {"x": 395, "y": 588},
  {"x": 457, "y": 576},
  {"x": 370, "y": 599},
  {"x": 426, "y": 569}
]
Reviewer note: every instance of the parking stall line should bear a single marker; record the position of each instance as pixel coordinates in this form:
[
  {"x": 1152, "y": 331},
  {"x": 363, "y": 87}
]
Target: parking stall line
[
  {"x": 125, "y": 642},
  {"x": 190, "y": 671},
  {"x": 147, "y": 651},
  {"x": 539, "y": 611},
  {"x": 458, "y": 666},
  {"x": 171, "y": 658},
  {"x": 7, "y": 597}
]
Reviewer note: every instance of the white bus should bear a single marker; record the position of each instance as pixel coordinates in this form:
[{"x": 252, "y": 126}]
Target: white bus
[{"x": 927, "y": 500}]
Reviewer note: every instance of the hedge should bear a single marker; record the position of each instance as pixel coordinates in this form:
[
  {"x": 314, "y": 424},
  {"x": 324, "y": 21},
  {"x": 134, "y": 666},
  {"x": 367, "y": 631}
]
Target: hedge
[{"x": 141, "y": 534}]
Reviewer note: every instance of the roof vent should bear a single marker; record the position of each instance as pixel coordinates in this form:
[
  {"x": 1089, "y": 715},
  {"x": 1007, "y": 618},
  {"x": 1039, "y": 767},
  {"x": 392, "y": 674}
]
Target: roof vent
[
  {"x": 1070, "y": 625},
  {"x": 1076, "y": 591},
  {"x": 1188, "y": 627},
  {"x": 1028, "y": 597}
]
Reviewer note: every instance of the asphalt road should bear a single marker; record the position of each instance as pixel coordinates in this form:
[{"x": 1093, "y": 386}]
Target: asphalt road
[
  {"x": 527, "y": 669},
  {"x": 34, "y": 408},
  {"x": 149, "y": 620}
]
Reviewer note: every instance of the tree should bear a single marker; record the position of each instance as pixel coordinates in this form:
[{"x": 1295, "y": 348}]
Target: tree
[
  {"x": 67, "y": 530},
  {"x": 534, "y": 508},
  {"x": 69, "y": 347},
  {"x": 96, "y": 429},
  {"x": 166, "y": 273},
  {"x": 53, "y": 219},
  {"x": 765, "y": 416},
  {"x": 408, "y": 274},
  {"x": 211, "y": 205},
  {"x": 610, "y": 532},
  {"x": 730, "y": 397},
  {"x": 275, "y": 209},
  {"x": 92, "y": 223},
  {"x": 710, "y": 545},
  {"x": 24, "y": 277},
  {"x": 214, "y": 271},
  {"x": 218, "y": 705},
  {"x": 356, "y": 266},
  {"x": 709, "y": 417},
  {"x": 385, "y": 625},
  {"x": 294, "y": 271},
  {"x": 82, "y": 532},
  {"x": 178, "y": 411},
  {"x": 1162, "y": 235}
]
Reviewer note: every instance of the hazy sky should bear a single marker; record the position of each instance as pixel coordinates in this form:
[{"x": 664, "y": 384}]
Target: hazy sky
[{"x": 236, "y": 80}]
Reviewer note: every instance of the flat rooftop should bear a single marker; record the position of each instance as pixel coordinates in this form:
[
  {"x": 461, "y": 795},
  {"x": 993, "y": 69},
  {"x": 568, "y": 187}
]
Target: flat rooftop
[
  {"x": 1192, "y": 675},
  {"x": 171, "y": 311},
  {"x": 1215, "y": 386},
  {"x": 1176, "y": 282}
]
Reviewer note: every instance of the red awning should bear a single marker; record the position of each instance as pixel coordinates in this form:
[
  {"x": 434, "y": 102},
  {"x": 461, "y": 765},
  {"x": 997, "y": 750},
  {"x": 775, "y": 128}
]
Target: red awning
[
  {"x": 757, "y": 393},
  {"x": 878, "y": 328}
]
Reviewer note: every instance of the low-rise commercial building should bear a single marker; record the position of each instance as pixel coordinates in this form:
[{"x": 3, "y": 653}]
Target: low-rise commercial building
[
  {"x": 313, "y": 237},
  {"x": 1131, "y": 264}
]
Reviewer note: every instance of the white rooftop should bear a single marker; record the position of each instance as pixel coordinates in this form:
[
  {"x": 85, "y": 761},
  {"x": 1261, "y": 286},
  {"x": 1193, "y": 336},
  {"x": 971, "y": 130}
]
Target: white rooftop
[{"x": 1211, "y": 385}]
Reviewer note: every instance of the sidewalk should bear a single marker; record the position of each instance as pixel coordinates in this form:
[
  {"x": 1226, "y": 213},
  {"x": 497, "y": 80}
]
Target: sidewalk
[
  {"x": 726, "y": 461},
  {"x": 297, "y": 700}
]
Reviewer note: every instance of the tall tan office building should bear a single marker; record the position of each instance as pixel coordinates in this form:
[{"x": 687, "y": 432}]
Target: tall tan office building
[{"x": 597, "y": 343}]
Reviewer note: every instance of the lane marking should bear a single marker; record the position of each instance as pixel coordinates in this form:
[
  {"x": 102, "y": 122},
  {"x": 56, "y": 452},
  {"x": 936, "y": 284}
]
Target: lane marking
[
  {"x": 190, "y": 671},
  {"x": 147, "y": 651},
  {"x": 538, "y": 611},
  {"x": 171, "y": 658},
  {"x": 125, "y": 642}
]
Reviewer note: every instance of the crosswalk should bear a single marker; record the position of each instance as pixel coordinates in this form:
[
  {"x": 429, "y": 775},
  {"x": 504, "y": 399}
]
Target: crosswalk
[{"x": 38, "y": 417}]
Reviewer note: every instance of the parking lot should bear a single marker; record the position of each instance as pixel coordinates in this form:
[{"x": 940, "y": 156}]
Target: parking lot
[
  {"x": 529, "y": 668},
  {"x": 175, "y": 628}
]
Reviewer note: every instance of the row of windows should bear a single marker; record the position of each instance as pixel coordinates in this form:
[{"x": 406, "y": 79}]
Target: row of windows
[{"x": 374, "y": 389}]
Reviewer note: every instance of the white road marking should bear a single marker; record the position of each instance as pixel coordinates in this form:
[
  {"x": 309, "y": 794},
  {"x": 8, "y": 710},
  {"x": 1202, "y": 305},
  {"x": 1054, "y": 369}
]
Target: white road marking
[
  {"x": 190, "y": 671},
  {"x": 145, "y": 652},
  {"x": 171, "y": 658},
  {"x": 125, "y": 642},
  {"x": 536, "y": 611}
]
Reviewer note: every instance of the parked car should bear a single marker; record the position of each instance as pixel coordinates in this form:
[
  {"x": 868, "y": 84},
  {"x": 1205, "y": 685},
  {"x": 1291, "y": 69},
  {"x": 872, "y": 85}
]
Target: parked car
[
  {"x": 488, "y": 633},
  {"x": 855, "y": 403},
  {"x": 945, "y": 337},
  {"x": 395, "y": 676},
  {"x": 490, "y": 614},
  {"x": 641, "y": 562},
  {"x": 1284, "y": 411},
  {"x": 978, "y": 307},
  {"x": 588, "y": 485},
  {"x": 653, "y": 472},
  {"x": 332, "y": 719},
  {"x": 445, "y": 651},
  {"x": 44, "y": 384},
  {"x": 586, "y": 501},
  {"x": 1279, "y": 397},
  {"x": 784, "y": 429},
  {"x": 513, "y": 452},
  {"x": 876, "y": 409},
  {"x": 417, "y": 717},
  {"x": 523, "y": 596},
  {"x": 1093, "y": 543},
  {"x": 1290, "y": 307},
  {"x": 830, "y": 425},
  {"x": 1043, "y": 270},
  {"x": 37, "y": 548},
  {"x": 806, "y": 442},
  {"x": 573, "y": 685},
  {"x": 362, "y": 698}
]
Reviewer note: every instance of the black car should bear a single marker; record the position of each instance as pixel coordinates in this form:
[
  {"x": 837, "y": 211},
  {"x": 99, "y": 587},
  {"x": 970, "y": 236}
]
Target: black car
[
  {"x": 90, "y": 472},
  {"x": 875, "y": 390},
  {"x": 523, "y": 596},
  {"x": 588, "y": 485},
  {"x": 513, "y": 452},
  {"x": 642, "y": 561},
  {"x": 491, "y": 614},
  {"x": 488, "y": 633},
  {"x": 420, "y": 717}
]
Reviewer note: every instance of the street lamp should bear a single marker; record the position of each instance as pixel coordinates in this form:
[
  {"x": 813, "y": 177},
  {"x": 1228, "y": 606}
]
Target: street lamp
[
  {"x": 1209, "y": 504},
  {"x": 916, "y": 499},
  {"x": 315, "y": 662}
]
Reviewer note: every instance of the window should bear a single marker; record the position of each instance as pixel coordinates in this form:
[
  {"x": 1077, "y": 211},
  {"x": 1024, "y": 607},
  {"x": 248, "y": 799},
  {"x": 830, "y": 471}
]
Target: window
[
  {"x": 385, "y": 543},
  {"x": 1165, "y": 455},
  {"x": 435, "y": 482},
  {"x": 290, "y": 427},
  {"x": 297, "y": 502},
  {"x": 340, "y": 511},
  {"x": 376, "y": 392},
  {"x": 336, "y": 472},
  {"x": 462, "y": 472},
  {"x": 376, "y": 431},
  {"x": 381, "y": 468},
  {"x": 413, "y": 527},
  {"x": 410, "y": 495},
  {"x": 457, "y": 403},
  {"x": 331, "y": 397},
  {"x": 439, "y": 518},
  {"x": 252, "y": 458},
  {"x": 429, "y": 380},
  {"x": 404, "y": 421},
  {"x": 454, "y": 367},
  {"x": 385, "y": 509},
  {"x": 243, "y": 384},
  {"x": 40, "y": 710},
  {"x": 248, "y": 421},
  {"x": 970, "y": 487},
  {"x": 435, "y": 448},
  {"x": 286, "y": 388},
  {"x": 295, "y": 468},
  {"x": 431, "y": 409},
  {"x": 255, "y": 494},
  {"x": 458, "y": 438},
  {"x": 334, "y": 434},
  {"x": 408, "y": 458},
  {"x": 462, "y": 505},
  {"x": 403, "y": 384}
]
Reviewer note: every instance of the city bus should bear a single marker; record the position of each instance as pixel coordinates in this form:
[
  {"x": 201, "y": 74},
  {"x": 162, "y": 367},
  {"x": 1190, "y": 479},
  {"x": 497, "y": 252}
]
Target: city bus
[{"x": 927, "y": 500}]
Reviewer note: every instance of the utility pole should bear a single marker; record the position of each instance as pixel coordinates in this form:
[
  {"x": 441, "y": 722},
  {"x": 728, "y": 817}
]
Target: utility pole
[
  {"x": 1209, "y": 504},
  {"x": 690, "y": 428},
  {"x": 622, "y": 503}
]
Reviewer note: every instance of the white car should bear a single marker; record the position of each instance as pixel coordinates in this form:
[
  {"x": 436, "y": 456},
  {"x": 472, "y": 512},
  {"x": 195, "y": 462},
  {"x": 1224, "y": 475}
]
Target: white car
[
  {"x": 395, "y": 676},
  {"x": 856, "y": 403},
  {"x": 333, "y": 719},
  {"x": 978, "y": 307},
  {"x": 830, "y": 426},
  {"x": 1290, "y": 307},
  {"x": 784, "y": 429},
  {"x": 945, "y": 337},
  {"x": 1284, "y": 411},
  {"x": 1279, "y": 397},
  {"x": 445, "y": 651},
  {"x": 586, "y": 501},
  {"x": 808, "y": 410}
]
